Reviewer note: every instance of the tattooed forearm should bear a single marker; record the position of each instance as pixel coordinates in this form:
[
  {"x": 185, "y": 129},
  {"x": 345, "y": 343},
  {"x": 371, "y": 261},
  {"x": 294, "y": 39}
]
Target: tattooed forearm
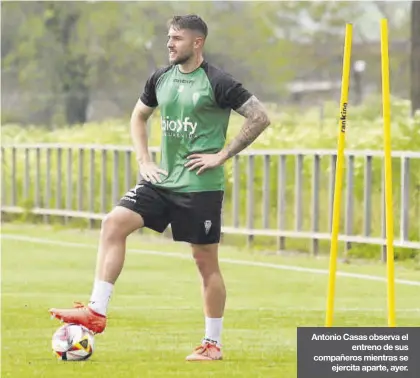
[{"x": 256, "y": 122}]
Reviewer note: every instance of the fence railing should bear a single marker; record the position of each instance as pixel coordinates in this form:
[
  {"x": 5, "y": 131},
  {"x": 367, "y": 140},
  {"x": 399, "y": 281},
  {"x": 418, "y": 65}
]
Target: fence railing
[{"x": 285, "y": 194}]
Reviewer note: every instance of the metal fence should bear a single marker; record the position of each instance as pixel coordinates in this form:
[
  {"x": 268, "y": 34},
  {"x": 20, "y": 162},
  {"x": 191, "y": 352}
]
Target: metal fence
[{"x": 282, "y": 194}]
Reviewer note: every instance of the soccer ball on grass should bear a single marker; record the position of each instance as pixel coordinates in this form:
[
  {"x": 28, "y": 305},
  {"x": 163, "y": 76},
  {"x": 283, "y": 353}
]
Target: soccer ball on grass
[{"x": 72, "y": 342}]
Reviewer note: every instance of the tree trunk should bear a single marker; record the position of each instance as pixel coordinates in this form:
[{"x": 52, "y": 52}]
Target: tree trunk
[
  {"x": 415, "y": 56},
  {"x": 76, "y": 90},
  {"x": 73, "y": 67}
]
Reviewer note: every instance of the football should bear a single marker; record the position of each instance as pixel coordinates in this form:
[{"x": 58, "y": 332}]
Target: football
[{"x": 73, "y": 342}]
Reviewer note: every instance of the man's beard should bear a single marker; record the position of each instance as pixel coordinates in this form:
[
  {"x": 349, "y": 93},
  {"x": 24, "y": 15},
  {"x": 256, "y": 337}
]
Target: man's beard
[{"x": 181, "y": 60}]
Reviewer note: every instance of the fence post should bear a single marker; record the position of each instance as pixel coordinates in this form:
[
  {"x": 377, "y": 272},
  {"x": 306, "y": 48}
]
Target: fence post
[
  {"x": 315, "y": 203},
  {"x": 250, "y": 198},
  {"x": 235, "y": 191},
  {"x": 367, "y": 205},
  {"x": 281, "y": 200},
  {"x": 92, "y": 185},
  {"x": 47, "y": 197},
  {"x": 298, "y": 191},
  {"x": 405, "y": 198},
  {"x": 266, "y": 193}
]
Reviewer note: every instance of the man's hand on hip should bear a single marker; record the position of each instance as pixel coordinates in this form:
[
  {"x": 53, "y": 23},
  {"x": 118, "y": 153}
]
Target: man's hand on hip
[
  {"x": 205, "y": 161},
  {"x": 151, "y": 172}
]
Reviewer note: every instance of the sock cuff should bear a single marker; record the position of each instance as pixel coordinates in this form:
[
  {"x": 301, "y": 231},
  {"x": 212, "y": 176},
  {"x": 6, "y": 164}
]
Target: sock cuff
[{"x": 106, "y": 284}]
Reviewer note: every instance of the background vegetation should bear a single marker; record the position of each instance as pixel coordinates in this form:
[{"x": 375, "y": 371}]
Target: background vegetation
[
  {"x": 76, "y": 62},
  {"x": 291, "y": 129}
]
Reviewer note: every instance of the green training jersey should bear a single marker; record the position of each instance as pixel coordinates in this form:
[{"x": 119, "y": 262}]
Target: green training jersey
[{"x": 195, "y": 109}]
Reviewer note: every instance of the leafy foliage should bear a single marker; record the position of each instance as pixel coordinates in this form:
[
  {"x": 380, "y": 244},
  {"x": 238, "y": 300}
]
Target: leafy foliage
[{"x": 65, "y": 55}]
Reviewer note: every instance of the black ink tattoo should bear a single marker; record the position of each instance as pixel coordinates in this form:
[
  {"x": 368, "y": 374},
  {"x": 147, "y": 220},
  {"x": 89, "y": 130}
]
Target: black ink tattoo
[{"x": 256, "y": 122}]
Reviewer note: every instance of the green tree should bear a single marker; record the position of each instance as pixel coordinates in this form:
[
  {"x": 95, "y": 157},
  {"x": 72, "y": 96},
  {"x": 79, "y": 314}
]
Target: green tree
[
  {"x": 66, "y": 55},
  {"x": 415, "y": 56},
  {"x": 68, "y": 49}
]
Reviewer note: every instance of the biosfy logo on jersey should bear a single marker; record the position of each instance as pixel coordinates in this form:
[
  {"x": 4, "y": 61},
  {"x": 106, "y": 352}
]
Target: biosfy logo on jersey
[{"x": 178, "y": 127}]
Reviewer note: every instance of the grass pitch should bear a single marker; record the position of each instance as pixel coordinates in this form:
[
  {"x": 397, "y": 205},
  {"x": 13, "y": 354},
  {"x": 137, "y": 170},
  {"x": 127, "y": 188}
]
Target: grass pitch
[{"x": 155, "y": 316}]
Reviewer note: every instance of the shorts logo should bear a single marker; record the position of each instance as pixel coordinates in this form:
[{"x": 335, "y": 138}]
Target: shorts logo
[
  {"x": 132, "y": 193},
  {"x": 125, "y": 198},
  {"x": 207, "y": 226}
]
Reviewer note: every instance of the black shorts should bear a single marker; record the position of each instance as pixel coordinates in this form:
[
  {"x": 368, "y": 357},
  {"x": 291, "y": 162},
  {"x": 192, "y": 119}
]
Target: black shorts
[{"x": 194, "y": 217}]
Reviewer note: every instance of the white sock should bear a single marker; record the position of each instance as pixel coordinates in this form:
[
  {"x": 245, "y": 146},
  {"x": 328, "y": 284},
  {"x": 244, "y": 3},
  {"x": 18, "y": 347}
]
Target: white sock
[
  {"x": 214, "y": 329},
  {"x": 100, "y": 297}
]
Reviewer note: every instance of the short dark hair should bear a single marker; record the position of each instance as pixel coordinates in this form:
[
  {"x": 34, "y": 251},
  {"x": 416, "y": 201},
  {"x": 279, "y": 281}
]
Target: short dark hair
[{"x": 190, "y": 21}]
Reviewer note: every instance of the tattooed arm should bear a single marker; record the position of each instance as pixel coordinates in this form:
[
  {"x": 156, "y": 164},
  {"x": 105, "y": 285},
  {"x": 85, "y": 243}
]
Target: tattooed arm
[{"x": 256, "y": 122}]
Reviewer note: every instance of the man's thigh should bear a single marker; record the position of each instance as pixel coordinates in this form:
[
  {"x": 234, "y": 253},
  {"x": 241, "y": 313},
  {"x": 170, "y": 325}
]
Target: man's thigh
[
  {"x": 151, "y": 203},
  {"x": 196, "y": 217}
]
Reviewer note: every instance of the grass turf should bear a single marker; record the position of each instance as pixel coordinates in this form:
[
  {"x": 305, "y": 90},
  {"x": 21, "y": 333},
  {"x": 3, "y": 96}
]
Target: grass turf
[{"x": 155, "y": 315}]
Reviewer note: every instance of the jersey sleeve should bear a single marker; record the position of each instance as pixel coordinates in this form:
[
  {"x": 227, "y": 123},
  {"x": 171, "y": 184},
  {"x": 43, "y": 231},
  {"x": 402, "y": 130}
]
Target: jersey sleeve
[
  {"x": 148, "y": 96},
  {"x": 230, "y": 93}
]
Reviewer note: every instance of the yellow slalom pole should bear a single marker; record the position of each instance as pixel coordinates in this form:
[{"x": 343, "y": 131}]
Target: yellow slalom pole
[
  {"x": 388, "y": 173},
  {"x": 339, "y": 173}
]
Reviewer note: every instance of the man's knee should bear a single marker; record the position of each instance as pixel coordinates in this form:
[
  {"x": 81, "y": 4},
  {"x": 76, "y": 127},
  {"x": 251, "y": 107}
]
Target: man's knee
[
  {"x": 109, "y": 228},
  {"x": 205, "y": 257},
  {"x": 120, "y": 223}
]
